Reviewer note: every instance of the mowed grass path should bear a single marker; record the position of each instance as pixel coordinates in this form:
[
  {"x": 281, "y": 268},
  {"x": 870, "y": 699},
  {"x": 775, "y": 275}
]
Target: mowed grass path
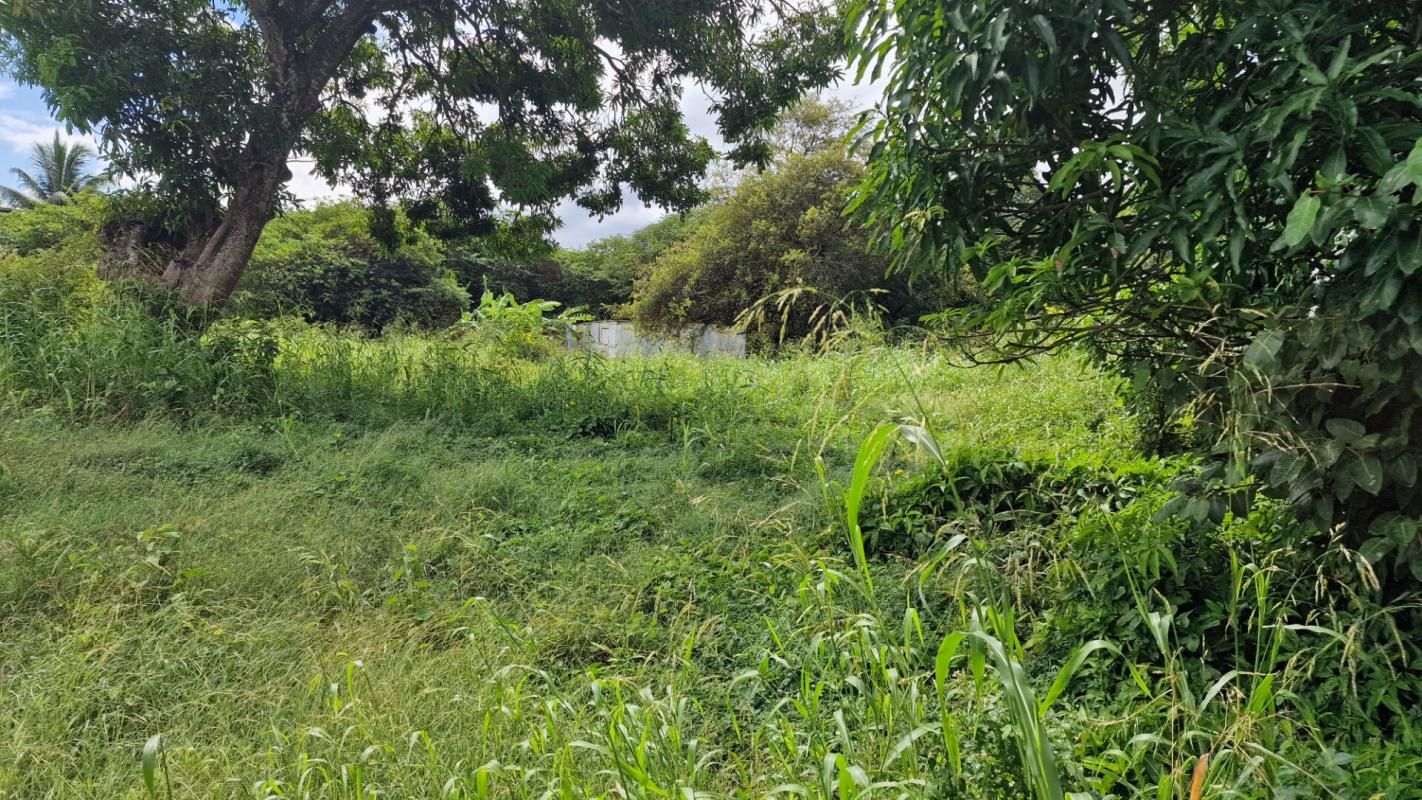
[{"x": 309, "y": 608}]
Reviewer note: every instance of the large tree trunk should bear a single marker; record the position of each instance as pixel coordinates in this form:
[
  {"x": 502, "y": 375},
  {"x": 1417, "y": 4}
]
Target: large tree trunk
[
  {"x": 206, "y": 272},
  {"x": 305, "y": 46}
]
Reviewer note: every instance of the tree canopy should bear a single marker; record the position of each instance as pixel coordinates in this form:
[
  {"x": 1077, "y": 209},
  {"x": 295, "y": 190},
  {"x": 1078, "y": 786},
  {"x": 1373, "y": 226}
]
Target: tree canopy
[
  {"x": 449, "y": 108},
  {"x": 603, "y": 271},
  {"x": 1223, "y": 197}
]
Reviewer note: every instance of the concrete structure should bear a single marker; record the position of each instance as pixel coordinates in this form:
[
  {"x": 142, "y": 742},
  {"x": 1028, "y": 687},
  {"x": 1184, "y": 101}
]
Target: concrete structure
[{"x": 617, "y": 338}]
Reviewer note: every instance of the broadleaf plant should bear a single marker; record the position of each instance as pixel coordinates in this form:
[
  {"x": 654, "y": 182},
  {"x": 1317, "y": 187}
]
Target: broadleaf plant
[{"x": 1219, "y": 198}]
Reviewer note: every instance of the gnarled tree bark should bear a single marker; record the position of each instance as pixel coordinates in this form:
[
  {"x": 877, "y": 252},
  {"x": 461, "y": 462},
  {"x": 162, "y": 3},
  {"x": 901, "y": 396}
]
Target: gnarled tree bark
[
  {"x": 207, "y": 271},
  {"x": 304, "y": 47}
]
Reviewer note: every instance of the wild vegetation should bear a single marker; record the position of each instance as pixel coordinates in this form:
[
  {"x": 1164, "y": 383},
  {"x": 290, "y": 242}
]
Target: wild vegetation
[
  {"x": 446, "y": 108},
  {"x": 316, "y": 564},
  {"x": 777, "y": 247},
  {"x": 1230, "y": 219},
  {"x": 1085, "y": 469}
]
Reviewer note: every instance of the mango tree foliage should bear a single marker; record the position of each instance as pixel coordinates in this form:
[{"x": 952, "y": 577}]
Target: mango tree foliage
[
  {"x": 1221, "y": 197},
  {"x": 448, "y": 107}
]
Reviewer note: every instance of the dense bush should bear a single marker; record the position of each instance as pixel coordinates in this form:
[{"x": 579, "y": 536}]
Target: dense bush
[
  {"x": 475, "y": 269},
  {"x": 600, "y": 275},
  {"x": 1221, "y": 200},
  {"x": 778, "y": 232},
  {"x": 1001, "y": 491},
  {"x": 55, "y": 279},
  {"x": 504, "y": 328},
  {"x": 326, "y": 265},
  {"x": 46, "y": 225}
]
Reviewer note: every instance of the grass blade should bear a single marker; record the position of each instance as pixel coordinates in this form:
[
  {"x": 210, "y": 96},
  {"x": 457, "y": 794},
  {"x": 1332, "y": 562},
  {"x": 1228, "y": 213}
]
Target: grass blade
[
  {"x": 151, "y": 752},
  {"x": 870, "y": 451},
  {"x": 1078, "y": 657}
]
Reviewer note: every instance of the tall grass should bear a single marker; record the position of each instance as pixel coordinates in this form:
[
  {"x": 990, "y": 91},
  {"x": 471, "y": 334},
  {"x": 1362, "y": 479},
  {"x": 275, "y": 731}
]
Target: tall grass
[
  {"x": 254, "y": 560},
  {"x": 116, "y": 359}
]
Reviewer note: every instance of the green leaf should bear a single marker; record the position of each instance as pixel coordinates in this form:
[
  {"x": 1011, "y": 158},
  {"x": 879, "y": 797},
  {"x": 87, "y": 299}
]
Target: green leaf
[
  {"x": 1335, "y": 165},
  {"x": 1263, "y": 351},
  {"x": 1348, "y": 430},
  {"x": 1261, "y": 697},
  {"x": 1313, "y": 74},
  {"x": 1367, "y": 473},
  {"x": 1301, "y": 219},
  {"x": 151, "y": 750},
  {"x": 1404, "y": 470},
  {"x": 943, "y": 663},
  {"x": 1375, "y": 152},
  {"x": 1340, "y": 59},
  {"x": 1044, "y": 30},
  {"x": 1372, "y": 212},
  {"x": 1216, "y": 688},
  {"x": 1413, "y": 168},
  {"x": 1064, "y": 676},
  {"x": 1236, "y": 247},
  {"x": 870, "y": 451},
  {"x": 1118, "y": 48},
  {"x": 905, "y": 742},
  {"x": 1395, "y": 179},
  {"x": 1180, "y": 238}
]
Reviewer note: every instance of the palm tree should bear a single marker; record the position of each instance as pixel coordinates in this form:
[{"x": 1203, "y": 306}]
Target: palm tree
[{"x": 58, "y": 175}]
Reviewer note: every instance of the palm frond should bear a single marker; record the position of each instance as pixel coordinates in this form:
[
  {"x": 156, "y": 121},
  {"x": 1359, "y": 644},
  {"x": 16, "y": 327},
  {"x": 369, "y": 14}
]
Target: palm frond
[
  {"x": 44, "y": 160},
  {"x": 15, "y": 198},
  {"x": 58, "y": 173},
  {"x": 28, "y": 183},
  {"x": 77, "y": 158}
]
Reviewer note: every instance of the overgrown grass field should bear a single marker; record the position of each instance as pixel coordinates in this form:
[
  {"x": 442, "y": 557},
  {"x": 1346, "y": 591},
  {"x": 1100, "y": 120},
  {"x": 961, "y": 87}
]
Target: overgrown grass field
[{"x": 315, "y": 565}]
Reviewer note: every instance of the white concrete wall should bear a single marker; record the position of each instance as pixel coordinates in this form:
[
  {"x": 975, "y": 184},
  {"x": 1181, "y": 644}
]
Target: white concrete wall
[{"x": 617, "y": 339}]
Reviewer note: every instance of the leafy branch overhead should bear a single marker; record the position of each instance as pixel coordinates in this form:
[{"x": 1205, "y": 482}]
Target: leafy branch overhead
[
  {"x": 1222, "y": 197},
  {"x": 448, "y": 107}
]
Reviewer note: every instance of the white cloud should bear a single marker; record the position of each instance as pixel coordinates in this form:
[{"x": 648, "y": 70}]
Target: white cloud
[
  {"x": 6, "y": 90},
  {"x": 579, "y": 227},
  {"x": 21, "y": 134},
  {"x": 310, "y": 187}
]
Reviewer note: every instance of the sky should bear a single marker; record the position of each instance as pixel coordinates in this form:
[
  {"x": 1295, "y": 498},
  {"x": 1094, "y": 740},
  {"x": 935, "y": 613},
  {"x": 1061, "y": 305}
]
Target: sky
[{"x": 25, "y": 121}]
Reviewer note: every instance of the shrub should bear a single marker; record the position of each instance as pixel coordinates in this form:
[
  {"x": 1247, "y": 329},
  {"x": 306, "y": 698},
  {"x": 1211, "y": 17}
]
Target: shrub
[
  {"x": 601, "y": 275},
  {"x": 44, "y": 226},
  {"x": 779, "y": 231},
  {"x": 58, "y": 278},
  {"x": 250, "y": 348},
  {"x": 519, "y": 330},
  {"x": 477, "y": 270},
  {"x": 998, "y": 492},
  {"x": 1225, "y": 208},
  {"x": 328, "y": 266}
]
